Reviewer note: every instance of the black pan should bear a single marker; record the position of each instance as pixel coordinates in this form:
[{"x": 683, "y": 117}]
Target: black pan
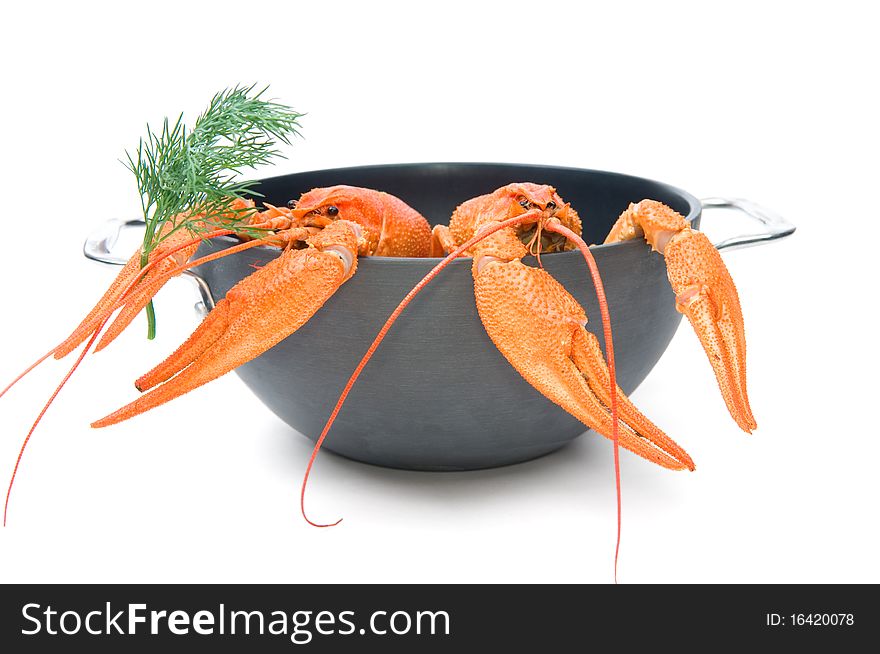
[{"x": 438, "y": 395}]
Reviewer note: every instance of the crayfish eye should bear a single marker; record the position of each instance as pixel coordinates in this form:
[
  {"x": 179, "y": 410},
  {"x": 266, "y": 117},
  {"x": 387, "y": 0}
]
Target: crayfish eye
[
  {"x": 524, "y": 204},
  {"x": 551, "y": 205},
  {"x": 291, "y": 204},
  {"x": 332, "y": 210}
]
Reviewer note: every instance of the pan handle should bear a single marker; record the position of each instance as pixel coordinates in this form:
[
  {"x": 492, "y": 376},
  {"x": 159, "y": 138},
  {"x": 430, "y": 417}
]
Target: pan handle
[
  {"x": 775, "y": 226},
  {"x": 101, "y": 244}
]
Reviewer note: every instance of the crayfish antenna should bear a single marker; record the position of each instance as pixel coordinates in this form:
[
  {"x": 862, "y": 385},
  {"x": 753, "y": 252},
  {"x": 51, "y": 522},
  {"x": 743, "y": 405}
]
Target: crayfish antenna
[
  {"x": 381, "y": 336},
  {"x": 557, "y": 227},
  {"x": 486, "y": 232},
  {"x": 94, "y": 335},
  {"x": 27, "y": 370},
  {"x": 40, "y": 417}
]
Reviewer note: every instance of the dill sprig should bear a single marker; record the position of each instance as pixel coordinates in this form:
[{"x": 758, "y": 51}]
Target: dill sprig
[{"x": 188, "y": 179}]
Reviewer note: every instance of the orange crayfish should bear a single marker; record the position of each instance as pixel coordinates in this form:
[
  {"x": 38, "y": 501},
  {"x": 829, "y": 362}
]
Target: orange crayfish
[
  {"x": 322, "y": 234},
  {"x": 539, "y": 327}
]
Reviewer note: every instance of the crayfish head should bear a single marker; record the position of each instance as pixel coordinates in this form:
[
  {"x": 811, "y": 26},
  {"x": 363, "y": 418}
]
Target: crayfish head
[
  {"x": 545, "y": 204},
  {"x": 527, "y": 196},
  {"x": 321, "y": 206}
]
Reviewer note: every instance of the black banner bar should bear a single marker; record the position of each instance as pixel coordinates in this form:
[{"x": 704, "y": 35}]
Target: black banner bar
[{"x": 420, "y": 618}]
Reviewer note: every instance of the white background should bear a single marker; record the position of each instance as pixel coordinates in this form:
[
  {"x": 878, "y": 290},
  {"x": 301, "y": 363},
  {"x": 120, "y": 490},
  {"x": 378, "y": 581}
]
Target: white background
[{"x": 774, "y": 102}]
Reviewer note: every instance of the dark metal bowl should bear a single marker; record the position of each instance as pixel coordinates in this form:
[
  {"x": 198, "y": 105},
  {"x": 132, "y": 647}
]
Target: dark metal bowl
[{"x": 438, "y": 395}]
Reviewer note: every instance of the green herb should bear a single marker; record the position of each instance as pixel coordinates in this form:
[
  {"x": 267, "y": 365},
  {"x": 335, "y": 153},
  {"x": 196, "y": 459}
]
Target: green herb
[{"x": 187, "y": 179}]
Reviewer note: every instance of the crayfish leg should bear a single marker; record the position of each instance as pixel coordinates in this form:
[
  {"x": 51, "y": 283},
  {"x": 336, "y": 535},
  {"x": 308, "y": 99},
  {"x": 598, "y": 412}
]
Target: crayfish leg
[{"x": 442, "y": 241}]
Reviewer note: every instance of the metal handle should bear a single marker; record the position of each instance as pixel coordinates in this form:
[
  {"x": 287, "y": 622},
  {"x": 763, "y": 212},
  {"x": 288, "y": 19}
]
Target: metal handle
[
  {"x": 207, "y": 303},
  {"x": 776, "y": 226},
  {"x": 100, "y": 245}
]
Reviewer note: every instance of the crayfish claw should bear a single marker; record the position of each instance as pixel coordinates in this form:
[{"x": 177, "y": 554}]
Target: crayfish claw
[
  {"x": 539, "y": 328},
  {"x": 256, "y": 314},
  {"x": 705, "y": 293}
]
